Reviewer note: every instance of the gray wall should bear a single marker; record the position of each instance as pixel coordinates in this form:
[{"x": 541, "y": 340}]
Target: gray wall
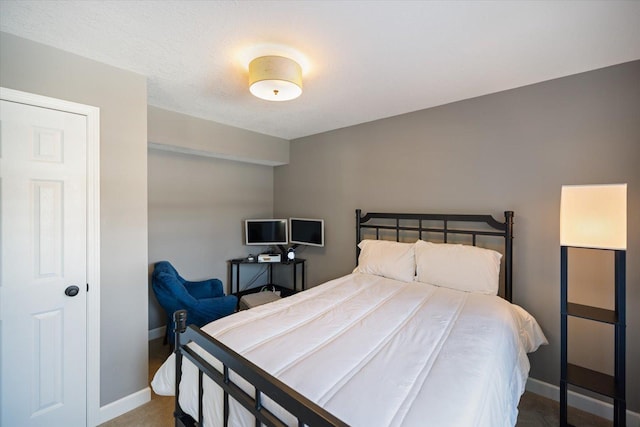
[
  {"x": 176, "y": 132},
  {"x": 196, "y": 208},
  {"x": 510, "y": 150},
  {"x": 122, "y": 99}
]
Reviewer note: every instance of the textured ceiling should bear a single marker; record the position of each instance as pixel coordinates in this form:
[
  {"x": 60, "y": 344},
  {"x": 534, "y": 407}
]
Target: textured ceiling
[{"x": 363, "y": 60}]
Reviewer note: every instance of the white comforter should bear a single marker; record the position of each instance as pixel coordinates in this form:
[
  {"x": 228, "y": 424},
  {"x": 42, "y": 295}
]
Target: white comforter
[{"x": 379, "y": 352}]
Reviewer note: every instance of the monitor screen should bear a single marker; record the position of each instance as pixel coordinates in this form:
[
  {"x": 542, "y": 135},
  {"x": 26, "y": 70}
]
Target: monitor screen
[
  {"x": 265, "y": 231},
  {"x": 306, "y": 231}
]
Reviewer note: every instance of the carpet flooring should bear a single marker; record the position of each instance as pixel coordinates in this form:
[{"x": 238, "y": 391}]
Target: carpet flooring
[{"x": 534, "y": 410}]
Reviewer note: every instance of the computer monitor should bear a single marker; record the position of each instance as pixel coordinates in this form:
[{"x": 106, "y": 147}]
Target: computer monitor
[
  {"x": 264, "y": 232},
  {"x": 305, "y": 231}
]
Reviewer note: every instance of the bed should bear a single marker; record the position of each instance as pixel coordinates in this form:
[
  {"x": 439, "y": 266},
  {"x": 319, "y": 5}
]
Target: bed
[{"x": 407, "y": 339}]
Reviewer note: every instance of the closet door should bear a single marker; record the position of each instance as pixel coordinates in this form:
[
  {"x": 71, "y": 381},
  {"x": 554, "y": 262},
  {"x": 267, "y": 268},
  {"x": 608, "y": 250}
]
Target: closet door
[{"x": 43, "y": 271}]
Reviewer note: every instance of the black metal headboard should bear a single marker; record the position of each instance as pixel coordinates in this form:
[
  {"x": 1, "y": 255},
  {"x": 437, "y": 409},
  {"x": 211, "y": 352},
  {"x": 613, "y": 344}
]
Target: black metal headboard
[{"x": 392, "y": 222}]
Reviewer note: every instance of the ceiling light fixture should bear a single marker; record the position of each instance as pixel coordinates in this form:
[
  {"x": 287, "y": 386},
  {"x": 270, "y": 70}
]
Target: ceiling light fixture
[{"x": 275, "y": 78}]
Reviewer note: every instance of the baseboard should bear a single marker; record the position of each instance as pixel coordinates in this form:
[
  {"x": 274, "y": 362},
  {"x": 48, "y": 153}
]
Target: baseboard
[
  {"x": 126, "y": 404},
  {"x": 579, "y": 401},
  {"x": 157, "y": 333}
]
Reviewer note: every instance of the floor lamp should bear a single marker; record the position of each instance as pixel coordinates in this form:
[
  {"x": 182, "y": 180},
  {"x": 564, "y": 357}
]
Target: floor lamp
[{"x": 594, "y": 217}]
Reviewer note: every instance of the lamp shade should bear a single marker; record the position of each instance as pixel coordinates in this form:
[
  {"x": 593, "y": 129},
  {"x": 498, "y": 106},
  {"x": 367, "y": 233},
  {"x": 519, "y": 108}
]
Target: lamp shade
[
  {"x": 594, "y": 216},
  {"x": 275, "y": 78}
]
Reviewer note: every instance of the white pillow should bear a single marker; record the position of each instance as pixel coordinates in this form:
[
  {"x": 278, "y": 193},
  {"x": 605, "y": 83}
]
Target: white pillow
[
  {"x": 389, "y": 259},
  {"x": 463, "y": 267}
]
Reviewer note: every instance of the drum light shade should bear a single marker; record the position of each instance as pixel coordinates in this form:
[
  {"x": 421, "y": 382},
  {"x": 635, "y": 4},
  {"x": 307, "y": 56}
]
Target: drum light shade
[
  {"x": 275, "y": 78},
  {"x": 594, "y": 216}
]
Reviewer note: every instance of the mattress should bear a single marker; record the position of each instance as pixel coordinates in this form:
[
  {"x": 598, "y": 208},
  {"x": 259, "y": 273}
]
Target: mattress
[{"x": 378, "y": 352}]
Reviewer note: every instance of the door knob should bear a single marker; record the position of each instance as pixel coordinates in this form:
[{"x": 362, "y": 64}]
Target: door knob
[{"x": 72, "y": 291}]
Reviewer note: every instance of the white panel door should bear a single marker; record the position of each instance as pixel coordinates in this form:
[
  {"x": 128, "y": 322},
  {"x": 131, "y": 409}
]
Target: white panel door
[{"x": 43, "y": 231}]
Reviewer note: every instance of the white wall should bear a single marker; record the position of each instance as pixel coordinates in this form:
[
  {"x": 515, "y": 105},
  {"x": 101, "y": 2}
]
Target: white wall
[{"x": 122, "y": 98}]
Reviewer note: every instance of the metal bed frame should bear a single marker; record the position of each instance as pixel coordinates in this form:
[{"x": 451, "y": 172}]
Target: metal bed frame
[
  {"x": 306, "y": 411},
  {"x": 404, "y": 224}
]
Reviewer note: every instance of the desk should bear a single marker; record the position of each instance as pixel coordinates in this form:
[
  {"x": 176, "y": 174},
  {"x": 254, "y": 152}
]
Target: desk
[{"x": 234, "y": 279}]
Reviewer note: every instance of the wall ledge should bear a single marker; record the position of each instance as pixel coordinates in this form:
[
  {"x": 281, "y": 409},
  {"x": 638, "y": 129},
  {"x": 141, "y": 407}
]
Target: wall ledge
[
  {"x": 204, "y": 153},
  {"x": 180, "y": 133}
]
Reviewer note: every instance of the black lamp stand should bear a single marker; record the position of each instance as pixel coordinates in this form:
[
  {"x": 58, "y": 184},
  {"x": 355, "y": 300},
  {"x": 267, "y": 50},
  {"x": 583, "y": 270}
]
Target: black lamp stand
[{"x": 603, "y": 384}]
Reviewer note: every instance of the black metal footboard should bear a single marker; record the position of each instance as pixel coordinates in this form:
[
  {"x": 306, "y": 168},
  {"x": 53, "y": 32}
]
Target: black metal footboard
[{"x": 307, "y": 412}]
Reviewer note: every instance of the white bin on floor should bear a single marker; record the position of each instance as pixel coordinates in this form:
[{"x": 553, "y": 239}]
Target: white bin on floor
[{"x": 256, "y": 299}]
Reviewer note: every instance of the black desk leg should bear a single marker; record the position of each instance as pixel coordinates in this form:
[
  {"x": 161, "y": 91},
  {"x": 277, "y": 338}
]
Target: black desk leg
[
  {"x": 237, "y": 278},
  {"x": 295, "y": 277}
]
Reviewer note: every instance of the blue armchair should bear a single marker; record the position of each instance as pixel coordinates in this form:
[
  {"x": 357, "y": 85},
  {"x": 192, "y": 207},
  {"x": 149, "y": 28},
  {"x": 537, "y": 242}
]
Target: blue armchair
[{"x": 204, "y": 301}]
